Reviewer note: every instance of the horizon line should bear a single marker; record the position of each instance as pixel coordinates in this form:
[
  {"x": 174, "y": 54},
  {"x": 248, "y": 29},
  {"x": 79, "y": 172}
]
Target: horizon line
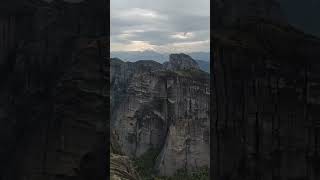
[{"x": 165, "y": 52}]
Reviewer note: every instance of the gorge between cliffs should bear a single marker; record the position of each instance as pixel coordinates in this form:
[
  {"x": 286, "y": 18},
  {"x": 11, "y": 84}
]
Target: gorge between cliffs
[{"x": 160, "y": 116}]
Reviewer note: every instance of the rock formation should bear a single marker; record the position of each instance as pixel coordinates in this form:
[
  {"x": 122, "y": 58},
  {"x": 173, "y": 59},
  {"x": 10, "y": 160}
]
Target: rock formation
[
  {"x": 265, "y": 83},
  {"x": 180, "y": 62},
  {"x": 162, "y": 108},
  {"x": 231, "y": 12},
  {"x": 121, "y": 167},
  {"x": 53, "y": 110}
]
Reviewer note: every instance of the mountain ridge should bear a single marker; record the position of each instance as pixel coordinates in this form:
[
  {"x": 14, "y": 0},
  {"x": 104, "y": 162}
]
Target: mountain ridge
[
  {"x": 160, "y": 57},
  {"x": 154, "y": 104},
  {"x": 203, "y": 64}
]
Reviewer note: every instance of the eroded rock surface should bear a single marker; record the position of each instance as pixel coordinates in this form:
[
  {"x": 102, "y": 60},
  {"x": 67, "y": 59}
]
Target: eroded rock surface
[
  {"x": 121, "y": 166},
  {"x": 266, "y": 84},
  {"x": 166, "y": 110},
  {"x": 181, "y": 62}
]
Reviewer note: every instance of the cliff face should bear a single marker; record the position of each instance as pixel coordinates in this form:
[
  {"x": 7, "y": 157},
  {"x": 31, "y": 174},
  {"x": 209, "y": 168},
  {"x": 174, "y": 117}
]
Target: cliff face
[
  {"x": 52, "y": 109},
  {"x": 120, "y": 165},
  {"x": 180, "y": 62},
  {"x": 266, "y": 103},
  {"x": 168, "y": 111},
  {"x": 59, "y": 130},
  {"x": 232, "y": 12}
]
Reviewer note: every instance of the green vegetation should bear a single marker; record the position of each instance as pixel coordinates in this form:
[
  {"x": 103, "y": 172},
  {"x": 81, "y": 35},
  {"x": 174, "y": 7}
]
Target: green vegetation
[
  {"x": 194, "y": 74},
  {"x": 201, "y": 174},
  {"x": 145, "y": 164},
  {"x": 187, "y": 73}
]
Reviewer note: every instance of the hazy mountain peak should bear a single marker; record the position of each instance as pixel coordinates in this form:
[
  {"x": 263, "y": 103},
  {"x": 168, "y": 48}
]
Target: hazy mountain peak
[
  {"x": 156, "y": 56},
  {"x": 181, "y": 61}
]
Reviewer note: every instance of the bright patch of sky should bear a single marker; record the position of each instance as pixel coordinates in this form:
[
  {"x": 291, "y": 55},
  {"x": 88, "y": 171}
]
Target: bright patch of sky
[{"x": 168, "y": 26}]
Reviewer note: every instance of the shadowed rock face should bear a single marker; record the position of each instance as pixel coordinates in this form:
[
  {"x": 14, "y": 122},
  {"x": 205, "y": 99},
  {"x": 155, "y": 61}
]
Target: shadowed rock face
[
  {"x": 266, "y": 84},
  {"x": 166, "y": 110},
  {"x": 121, "y": 167},
  {"x": 231, "y": 12},
  {"x": 58, "y": 131},
  {"x": 52, "y": 108}
]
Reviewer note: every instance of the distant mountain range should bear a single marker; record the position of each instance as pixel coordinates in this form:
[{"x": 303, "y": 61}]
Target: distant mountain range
[
  {"x": 202, "y": 58},
  {"x": 152, "y": 55},
  {"x": 134, "y": 56},
  {"x": 204, "y": 65}
]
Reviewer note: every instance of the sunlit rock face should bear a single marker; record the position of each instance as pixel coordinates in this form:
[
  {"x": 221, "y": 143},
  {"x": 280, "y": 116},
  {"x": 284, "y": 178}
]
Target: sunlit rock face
[{"x": 166, "y": 110}]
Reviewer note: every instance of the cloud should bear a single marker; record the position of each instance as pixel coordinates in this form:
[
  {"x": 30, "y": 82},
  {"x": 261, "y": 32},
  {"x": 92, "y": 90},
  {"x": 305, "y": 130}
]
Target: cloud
[
  {"x": 185, "y": 47},
  {"x": 133, "y": 46},
  {"x": 160, "y": 25},
  {"x": 182, "y": 35},
  {"x": 134, "y": 16}
]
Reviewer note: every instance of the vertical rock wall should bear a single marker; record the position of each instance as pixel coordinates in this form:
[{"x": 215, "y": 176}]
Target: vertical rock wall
[
  {"x": 54, "y": 103},
  {"x": 266, "y": 104},
  {"x": 162, "y": 110}
]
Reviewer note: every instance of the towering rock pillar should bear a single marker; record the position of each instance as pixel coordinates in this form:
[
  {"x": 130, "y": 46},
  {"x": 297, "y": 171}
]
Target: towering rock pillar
[{"x": 266, "y": 105}]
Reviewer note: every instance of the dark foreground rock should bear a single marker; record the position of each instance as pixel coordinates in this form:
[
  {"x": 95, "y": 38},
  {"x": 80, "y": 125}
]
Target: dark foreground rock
[
  {"x": 53, "y": 108},
  {"x": 266, "y": 101}
]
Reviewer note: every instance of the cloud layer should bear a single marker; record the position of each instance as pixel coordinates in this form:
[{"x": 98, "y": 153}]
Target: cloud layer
[{"x": 163, "y": 26}]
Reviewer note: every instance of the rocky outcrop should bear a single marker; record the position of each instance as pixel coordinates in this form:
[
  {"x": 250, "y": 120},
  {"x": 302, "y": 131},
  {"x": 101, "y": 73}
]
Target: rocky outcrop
[
  {"x": 121, "y": 74},
  {"x": 166, "y": 110},
  {"x": 52, "y": 112},
  {"x": 60, "y": 130},
  {"x": 181, "y": 62},
  {"x": 266, "y": 102},
  {"x": 230, "y": 13},
  {"x": 121, "y": 167}
]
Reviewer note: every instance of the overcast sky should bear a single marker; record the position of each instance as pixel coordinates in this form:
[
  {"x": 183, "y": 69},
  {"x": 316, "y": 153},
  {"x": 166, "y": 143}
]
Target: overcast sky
[
  {"x": 67, "y": 1},
  {"x": 160, "y": 25}
]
